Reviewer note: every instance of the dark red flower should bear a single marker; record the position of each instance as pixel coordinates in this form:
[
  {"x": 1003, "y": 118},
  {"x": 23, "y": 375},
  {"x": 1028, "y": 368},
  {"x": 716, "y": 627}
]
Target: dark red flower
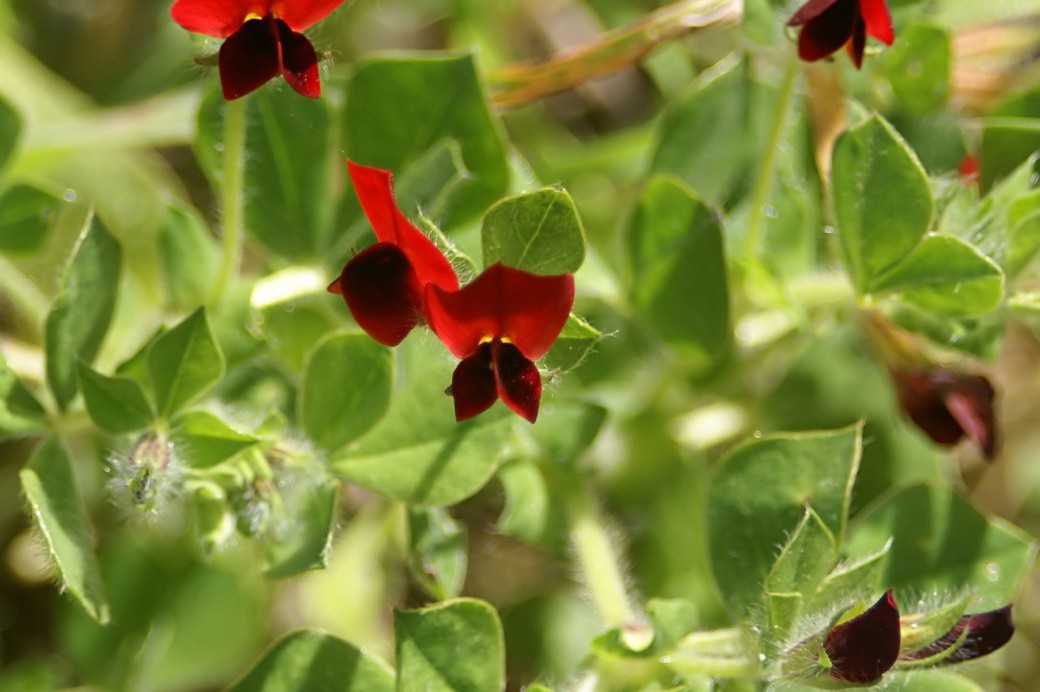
[
  {"x": 949, "y": 405},
  {"x": 383, "y": 284},
  {"x": 968, "y": 169},
  {"x": 499, "y": 324},
  {"x": 262, "y": 40},
  {"x": 862, "y": 648},
  {"x": 971, "y": 637},
  {"x": 827, "y": 25}
]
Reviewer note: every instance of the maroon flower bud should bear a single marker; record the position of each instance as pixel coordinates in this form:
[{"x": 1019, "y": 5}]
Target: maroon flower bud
[
  {"x": 971, "y": 637},
  {"x": 862, "y": 648},
  {"x": 948, "y": 406}
]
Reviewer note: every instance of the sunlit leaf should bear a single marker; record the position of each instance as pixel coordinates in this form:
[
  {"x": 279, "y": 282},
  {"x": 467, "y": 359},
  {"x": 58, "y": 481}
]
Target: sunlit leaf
[
  {"x": 539, "y": 232},
  {"x": 184, "y": 363}
]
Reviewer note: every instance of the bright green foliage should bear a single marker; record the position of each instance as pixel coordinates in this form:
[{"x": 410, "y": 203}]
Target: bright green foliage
[
  {"x": 287, "y": 181},
  {"x": 20, "y": 412},
  {"x": 10, "y": 130},
  {"x": 919, "y": 66},
  {"x": 438, "y": 550},
  {"x": 947, "y": 546},
  {"x": 882, "y": 200},
  {"x": 204, "y": 440},
  {"x": 576, "y": 341},
  {"x": 116, "y": 404},
  {"x": 679, "y": 271},
  {"x": 445, "y": 102},
  {"x": 316, "y": 661},
  {"x": 758, "y": 498},
  {"x": 539, "y": 232},
  {"x": 60, "y": 516},
  {"x": 304, "y": 544},
  {"x": 428, "y": 654},
  {"x": 184, "y": 363},
  {"x": 346, "y": 389},
  {"x": 26, "y": 215},
  {"x": 1010, "y": 136},
  {"x": 189, "y": 256},
  {"x": 79, "y": 318},
  {"x": 716, "y": 103}
]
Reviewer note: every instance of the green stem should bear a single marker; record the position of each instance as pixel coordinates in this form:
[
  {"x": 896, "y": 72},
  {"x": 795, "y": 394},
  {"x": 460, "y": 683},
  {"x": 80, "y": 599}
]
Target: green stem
[
  {"x": 24, "y": 295},
  {"x": 598, "y": 561},
  {"x": 515, "y": 85},
  {"x": 764, "y": 180},
  {"x": 232, "y": 202}
]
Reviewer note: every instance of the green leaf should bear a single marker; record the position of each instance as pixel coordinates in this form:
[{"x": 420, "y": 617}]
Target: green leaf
[
  {"x": 527, "y": 514},
  {"x": 758, "y": 497},
  {"x": 805, "y": 560},
  {"x": 940, "y": 542},
  {"x": 679, "y": 271},
  {"x": 539, "y": 232},
  {"x": 947, "y": 276},
  {"x": 20, "y": 412},
  {"x": 184, "y": 363},
  {"x": 305, "y": 543},
  {"x": 417, "y": 453},
  {"x": 79, "y": 318},
  {"x": 445, "y": 101},
  {"x": 61, "y": 518},
  {"x": 568, "y": 430},
  {"x": 189, "y": 256},
  {"x": 717, "y": 103},
  {"x": 437, "y": 550},
  {"x": 316, "y": 662},
  {"x": 851, "y": 578},
  {"x": 10, "y": 130},
  {"x": 26, "y": 214},
  {"x": 287, "y": 181},
  {"x": 1024, "y": 243},
  {"x": 455, "y": 645},
  {"x": 929, "y": 681},
  {"x": 575, "y": 343},
  {"x": 882, "y": 199},
  {"x": 346, "y": 389},
  {"x": 116, "y": 404},
  {"x": 293, "y": 326},
  {"x": 203, "y": 440},
  {"x": 918, "y": 67},
  {"x": 1010, "y": 136}
]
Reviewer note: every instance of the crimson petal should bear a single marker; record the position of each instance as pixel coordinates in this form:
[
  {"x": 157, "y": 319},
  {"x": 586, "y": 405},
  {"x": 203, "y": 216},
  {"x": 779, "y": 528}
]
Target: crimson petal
[
  {"x": 877, "y": 20},
  {"x": 828, "y": 31},
  {"x": 948, "y": 405},
  {"x": 810, "y": 11},
  {"x": 299, "y": 61},
  {"x": 300, "y": 14},
  {"x": 863, "y": 648},
  {"x": 382, "y": 292},
  {"x": 527, "y": 309},
  {"x": 473, "y": 384},
  {"x": 986, "y": 632},
  {"x": 858, "y": 43},
  {"x": 969, "y": 400},
  {"x": 216, "y": 18},
  {"x": 374, "y": 189},
  {"x": 518, "y": 380},
  {"x": 248, "y": 58}
]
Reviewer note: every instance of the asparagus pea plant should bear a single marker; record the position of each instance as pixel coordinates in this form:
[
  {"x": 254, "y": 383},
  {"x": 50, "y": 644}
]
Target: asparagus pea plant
[{"x": 334, "y": 368}]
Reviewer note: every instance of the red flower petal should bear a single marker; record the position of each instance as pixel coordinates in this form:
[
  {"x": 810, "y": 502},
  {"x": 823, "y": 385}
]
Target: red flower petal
[
  {"x": 863, "y": 648},
  {"x": 987, "y": 632},
  {"x": 382, "y": 292},
  {"x": 857, "y": 43},
  {"x": 810, "y": 11},
  {"x": 526, "y": 309},
  {"x": 299, "y": 62},
  {"x": 827, "y": 31},
  {"x": 473, "y": 384},
  {"x": 300, "y": 14},
  {"x": 217, "y": 18},
  {"x": 969, "y": 399},
  {"x": 877, "y": 20},
  {"x": 248, "y": 58},
  {"x": 518, "y": 380},
  {"x": 948, "y": 405},
  {"x": 375, "y": 193}
]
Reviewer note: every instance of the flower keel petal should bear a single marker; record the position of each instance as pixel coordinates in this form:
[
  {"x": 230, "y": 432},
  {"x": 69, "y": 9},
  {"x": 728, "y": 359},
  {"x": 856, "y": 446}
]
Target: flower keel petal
[
  {"x": 518, "y": 381},
  {"x": 299, "y": 62}
]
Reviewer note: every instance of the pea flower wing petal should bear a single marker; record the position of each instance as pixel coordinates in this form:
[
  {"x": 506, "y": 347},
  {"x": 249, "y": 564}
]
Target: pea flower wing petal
[
  {"x": 382, "y": 292},
  {"x": 877, "y": 20},
  {"x": 828, "y": 31},
  {"x": 299, "y": 64},
  {"x": 473, "y": 384},
  {"x": 518, "y": 381}
]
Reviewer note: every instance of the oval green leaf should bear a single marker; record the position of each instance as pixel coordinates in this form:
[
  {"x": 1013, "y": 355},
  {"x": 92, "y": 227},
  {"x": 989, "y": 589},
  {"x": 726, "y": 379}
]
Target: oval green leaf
[
  {"x": 346, "y": 389},
  {"x": 184, "y": 363},
  {"x": 116, "y": 404},
  {"x": 203, "y": 440},
  {"x": 26, "y": 215},
  {"x": 539, "y": 232}
]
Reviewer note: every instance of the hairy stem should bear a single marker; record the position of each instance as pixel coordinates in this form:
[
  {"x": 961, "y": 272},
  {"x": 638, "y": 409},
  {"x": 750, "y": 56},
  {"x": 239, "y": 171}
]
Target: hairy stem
[
  {"x": 232, "y": 202},
  {"x": 515, "y": 85},
  {"x": 598, "y": 561}
]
